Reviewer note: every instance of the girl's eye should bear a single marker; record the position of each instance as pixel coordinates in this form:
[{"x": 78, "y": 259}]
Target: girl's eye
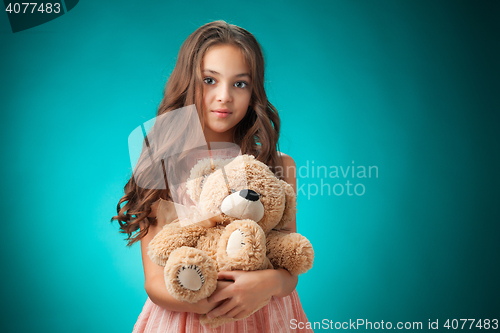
[
  {"x": 209, "y": 80},
  {"x": 241, "y": 84}
]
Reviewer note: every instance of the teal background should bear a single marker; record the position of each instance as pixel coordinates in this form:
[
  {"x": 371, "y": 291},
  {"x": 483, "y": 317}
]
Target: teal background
[{"x": 411, "y": 87}]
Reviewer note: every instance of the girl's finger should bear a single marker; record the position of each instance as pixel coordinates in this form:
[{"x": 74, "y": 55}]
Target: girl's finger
[
  {"x": 234, "y": 312},
  {"x": 220, "y": 295},
  {"x": 221, "y": 310},
  {"x": 227, "y": 275}
]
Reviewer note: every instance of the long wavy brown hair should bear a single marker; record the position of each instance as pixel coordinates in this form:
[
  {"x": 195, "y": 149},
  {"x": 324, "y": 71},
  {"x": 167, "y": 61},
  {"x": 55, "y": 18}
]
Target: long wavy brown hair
[{"x": 256, "y": 134}]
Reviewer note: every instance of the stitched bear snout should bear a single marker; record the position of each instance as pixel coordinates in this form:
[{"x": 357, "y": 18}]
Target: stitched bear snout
[{"x": 244, "y": 204}]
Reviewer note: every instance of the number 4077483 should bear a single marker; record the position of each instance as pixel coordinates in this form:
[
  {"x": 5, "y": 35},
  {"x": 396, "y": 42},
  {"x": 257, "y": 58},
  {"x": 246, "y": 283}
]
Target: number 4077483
[
  {"x": 471, "y": 323},
  {"x": 33, "y": 7}
]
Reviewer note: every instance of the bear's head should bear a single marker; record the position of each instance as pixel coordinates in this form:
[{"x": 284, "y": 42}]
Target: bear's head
[{"x": 242, "y": 188}]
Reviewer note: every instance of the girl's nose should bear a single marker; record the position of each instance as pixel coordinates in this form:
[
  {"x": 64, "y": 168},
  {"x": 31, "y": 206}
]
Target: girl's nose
[{"x": 224, "y": 93}]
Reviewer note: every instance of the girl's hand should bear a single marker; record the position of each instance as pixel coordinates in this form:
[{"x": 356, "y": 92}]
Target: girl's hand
[
  {"x": 249, "y": 290},
  {"x": 203, "y": 306}
]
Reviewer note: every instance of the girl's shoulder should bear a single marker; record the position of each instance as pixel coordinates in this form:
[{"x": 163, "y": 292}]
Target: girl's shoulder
[{"x": 287, "y": 160}]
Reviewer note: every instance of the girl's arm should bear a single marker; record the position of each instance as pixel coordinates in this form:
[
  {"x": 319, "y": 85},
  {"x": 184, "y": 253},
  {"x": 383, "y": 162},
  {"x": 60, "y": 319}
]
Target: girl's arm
[
  {"x": 155, "y": 281},
  {"x": 252, "y": 288}
]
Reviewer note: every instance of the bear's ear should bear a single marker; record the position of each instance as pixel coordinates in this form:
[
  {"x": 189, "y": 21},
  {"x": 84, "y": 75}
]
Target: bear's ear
[
  {"x": 290, "y": 205},
  {"x": 199, "y": 173}
]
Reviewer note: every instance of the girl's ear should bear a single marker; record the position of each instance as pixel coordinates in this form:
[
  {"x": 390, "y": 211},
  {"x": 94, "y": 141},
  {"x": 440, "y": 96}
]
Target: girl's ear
[
  {"x": 290, "y": 205},
  {"x": 199, "y": 173}
]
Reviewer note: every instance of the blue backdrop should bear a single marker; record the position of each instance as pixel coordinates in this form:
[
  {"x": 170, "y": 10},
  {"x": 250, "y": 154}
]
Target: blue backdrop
[{"x": 405, "y": 89}]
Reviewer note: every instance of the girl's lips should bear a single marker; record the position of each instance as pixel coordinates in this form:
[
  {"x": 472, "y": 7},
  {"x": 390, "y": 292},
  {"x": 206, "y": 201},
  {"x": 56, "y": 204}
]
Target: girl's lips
[{"x": 221, "y": 113}]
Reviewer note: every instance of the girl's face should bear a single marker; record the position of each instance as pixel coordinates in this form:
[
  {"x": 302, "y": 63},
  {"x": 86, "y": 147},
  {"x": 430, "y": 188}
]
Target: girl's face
[{"x": 226, "y": 91}]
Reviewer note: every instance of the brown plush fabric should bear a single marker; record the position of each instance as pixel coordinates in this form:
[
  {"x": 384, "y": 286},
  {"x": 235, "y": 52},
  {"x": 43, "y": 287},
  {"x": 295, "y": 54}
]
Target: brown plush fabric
[
  {"x": 234, "y": 243},
  {"x": 199, "y": 173},
  {"x": 251, "y": 256},
  {"x": 290, "y": 251},
  {"x": 185, "y": 257},
  {"x": 290, "y": 206},
  {"x": 171, "y": 237}
]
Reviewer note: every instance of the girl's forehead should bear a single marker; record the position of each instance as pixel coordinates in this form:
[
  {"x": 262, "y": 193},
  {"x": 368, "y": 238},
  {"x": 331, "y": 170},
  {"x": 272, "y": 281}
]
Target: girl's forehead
[{"x": 225, "y": 60}]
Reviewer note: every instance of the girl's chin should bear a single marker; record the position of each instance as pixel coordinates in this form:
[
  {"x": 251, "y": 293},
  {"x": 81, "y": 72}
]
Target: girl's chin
[{"x": 220, "y": 129}]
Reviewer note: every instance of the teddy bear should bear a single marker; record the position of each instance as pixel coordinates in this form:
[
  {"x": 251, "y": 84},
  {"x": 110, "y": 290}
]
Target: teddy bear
[{"x": 251, "y": 205}]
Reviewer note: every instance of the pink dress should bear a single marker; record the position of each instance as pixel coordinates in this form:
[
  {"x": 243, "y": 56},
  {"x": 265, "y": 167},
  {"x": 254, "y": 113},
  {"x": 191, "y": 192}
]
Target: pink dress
[{"x": 280, "y": 315}]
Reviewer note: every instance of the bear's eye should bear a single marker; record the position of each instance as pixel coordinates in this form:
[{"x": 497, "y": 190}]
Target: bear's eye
[{"x": 203, "y": 180}]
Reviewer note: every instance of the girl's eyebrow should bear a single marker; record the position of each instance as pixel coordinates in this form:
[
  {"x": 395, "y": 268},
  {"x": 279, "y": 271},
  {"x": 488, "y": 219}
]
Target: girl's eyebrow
[{"x": 237, "y": 75}]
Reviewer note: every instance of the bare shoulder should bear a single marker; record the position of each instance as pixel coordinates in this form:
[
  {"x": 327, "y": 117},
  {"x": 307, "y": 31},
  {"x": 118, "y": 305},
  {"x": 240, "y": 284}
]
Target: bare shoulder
[
  {"x": 288, "y": 170},
  {"x": 289, "y": 176},
  {"x": 286, "y": 159}
]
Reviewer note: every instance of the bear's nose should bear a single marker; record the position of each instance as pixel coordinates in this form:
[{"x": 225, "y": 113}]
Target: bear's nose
[
  {"x": 244, "y": 204},
  {"x": 249, "y": 195}
]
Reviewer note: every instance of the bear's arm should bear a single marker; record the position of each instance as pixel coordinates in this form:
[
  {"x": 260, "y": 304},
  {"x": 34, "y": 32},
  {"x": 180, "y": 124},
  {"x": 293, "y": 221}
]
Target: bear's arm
[
  {"x": 292, "y": 252},
  {"x": 171, "y": 237},
  {"x": 166, "y": 234}
]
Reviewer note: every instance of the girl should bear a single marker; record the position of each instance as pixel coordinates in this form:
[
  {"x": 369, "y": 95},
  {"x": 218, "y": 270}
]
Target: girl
[{"x": 220, "y": 69}]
